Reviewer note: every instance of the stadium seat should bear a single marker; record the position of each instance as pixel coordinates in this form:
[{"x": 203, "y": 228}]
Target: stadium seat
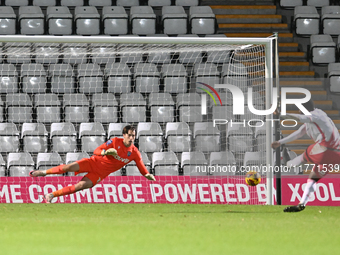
[
  {"x": 207, "y": 137},
  {"x": 2, "y": 110},
  {"x": 105, "y": 108},
  {"x": 19, "y": 164},
  {"x": 34, "y": 137},
  {"x": 160, "y": 55},
  {"x": 118, "y": 78},
  {"x": 323, "y": 49},
  {"x": 290, "y": 3},
  {"x": 131, "y": 168},
  {"x": 147, "y": 78},
  {"x": 187, "y": 55},
  {"x": 330, "y": 20},
  {"x": 62, "y": 78},
  {"x": 31, "y": 20},
  {"x": 19, "y": 108},
  {"x": 142, "y": 20},
  {"x": 9, "y": 78},
  {"x": 162, "y": 107},
  {"x": 150, "y": 136},
  {"x": 48, "y": 160},
  {"x": 33, "y": 78},
  {"x": 44, "y": 2},
  {"x": 47, "y": 108},
  {"x": 63, "y": 137},
  {"x": 235, "y": 74},
  {"x": 133, "y": 107},
  {"x": 224, "y": 112},
  {"x": 159, "y": 3},
  {"x": 240, "y": 137},
  {"x": 75, "y": 156},
  {"x": 206, "y": 73},
  {"x": 9, "y": 137},
  {"x": 194, "y": 163},
  {"x": 116, "y": 130},
  {"x": 189, "y": 106},
  {"x": 216, "y": 55},
  {"x": 334, "y": 77},
  {"x": 100, "y": 3},
  {"x": 130, "y": 53},
  {"x": 175, "y": 78},
  {"x": 127, "y": 3},
  {"x": 224, "y": 163},
  {"x": 178, "y": 136},
  {"x": 115, "y": 20},
  {"x": 187, "y": 2},
  {"x": 90, "y": 78},
  {"x": 76, "y": 108},
  {"x": 16, "y": 2},
  {"x": 165, "y": 163},
  {"x": 318, "y": 3},
  {"x": 91, "y": 136},
  {"x": 260, "y": 137},
  {"x": 174, "y": 20},
  {"x": 59, "y": 20},
  {"x": 103, "y": 53},
  {"x": 7, "y": 20},
  {"x": 87, "y": 20},
  {"x": 74, "y": 53},
  {"x": 2, "y": 167},
  {"x": 306, "y": 20},
  {"x": 72, "y": 2},
  {"x": 46, "y": 53},
  {"x": 18, "y": 52},
  {"x": 202, "y": 20},
  {"x": 254, "y": 159}
]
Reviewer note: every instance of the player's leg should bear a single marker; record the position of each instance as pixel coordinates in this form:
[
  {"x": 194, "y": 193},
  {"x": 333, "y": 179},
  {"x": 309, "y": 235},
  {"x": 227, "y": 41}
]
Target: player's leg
[{"x": 73, "y": 167}]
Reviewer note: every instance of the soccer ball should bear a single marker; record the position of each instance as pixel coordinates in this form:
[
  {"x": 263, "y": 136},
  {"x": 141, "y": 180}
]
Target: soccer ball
[{"x": 253, "y": 178}]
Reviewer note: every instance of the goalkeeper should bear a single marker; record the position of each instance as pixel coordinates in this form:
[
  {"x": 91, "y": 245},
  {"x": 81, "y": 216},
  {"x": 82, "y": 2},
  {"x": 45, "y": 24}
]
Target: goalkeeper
[{"x": 108, "y": 158}]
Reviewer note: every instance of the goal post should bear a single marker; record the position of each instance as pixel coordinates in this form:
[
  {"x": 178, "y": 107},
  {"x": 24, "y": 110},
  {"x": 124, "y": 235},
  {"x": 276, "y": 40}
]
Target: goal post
[{"x": 152, "y": 83}]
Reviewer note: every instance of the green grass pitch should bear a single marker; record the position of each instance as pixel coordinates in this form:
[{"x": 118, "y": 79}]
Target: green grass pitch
[{"x": 162, "y": 229}]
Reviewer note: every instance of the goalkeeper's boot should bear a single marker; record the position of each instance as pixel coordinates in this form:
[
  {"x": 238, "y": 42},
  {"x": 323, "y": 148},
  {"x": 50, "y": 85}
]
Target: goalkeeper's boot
[
  {"x": 295, "y": 208},
  {"x": 36, "y": 173},
  {"x": 48, "y": 198}
]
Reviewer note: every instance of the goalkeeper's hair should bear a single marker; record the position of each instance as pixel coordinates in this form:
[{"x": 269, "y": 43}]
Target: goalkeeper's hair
[
  {"x": 127, "y": 128},
  {"x": 309, "y": 105}
]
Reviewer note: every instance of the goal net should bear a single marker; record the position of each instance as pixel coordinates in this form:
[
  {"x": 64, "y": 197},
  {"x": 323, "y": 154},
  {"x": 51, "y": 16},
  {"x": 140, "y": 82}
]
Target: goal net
[{"x": 190, "y": 99}]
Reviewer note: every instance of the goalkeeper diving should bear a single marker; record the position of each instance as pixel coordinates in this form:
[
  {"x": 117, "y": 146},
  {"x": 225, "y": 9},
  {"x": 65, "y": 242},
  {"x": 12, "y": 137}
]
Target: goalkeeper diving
[
  {"x": 324, "y": 153},
  {"x": 108, "y": 158}
]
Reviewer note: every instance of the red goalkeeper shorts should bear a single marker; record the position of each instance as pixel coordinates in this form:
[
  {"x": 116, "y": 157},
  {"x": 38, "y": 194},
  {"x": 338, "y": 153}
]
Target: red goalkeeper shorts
[{"x": 92, "y": 168}]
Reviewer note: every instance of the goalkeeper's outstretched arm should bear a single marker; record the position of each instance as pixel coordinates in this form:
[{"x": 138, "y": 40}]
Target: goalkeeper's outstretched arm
[{"x": 142, "y": 169}]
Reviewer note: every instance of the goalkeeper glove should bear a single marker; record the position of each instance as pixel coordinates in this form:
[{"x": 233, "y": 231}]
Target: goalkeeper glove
[
  {"x": 150, "y": 177},
  {"x": 110, "y": 151}
]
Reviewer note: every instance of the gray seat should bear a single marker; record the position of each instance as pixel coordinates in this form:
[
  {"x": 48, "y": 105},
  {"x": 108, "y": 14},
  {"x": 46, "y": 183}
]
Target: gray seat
[
  {"x": 188, "y": 55},
  {"x": 72, "y": 2},
  {"x": 87, "y": 20},
  {"x": 100, "y": 3},
  {"x": 330, "y": 20},
  {"x": 19, "y": 164},
  {"x": 45, "y": 2},
  {"x": 318, "y": 3},
  {"x": 187, "y": 2},
  {"x": 178, "y": 136},
  {"x": 105, "y": 108},
  {"x": 47, "y": 53},
  {"x": 240, "y": 138},
  {"x": 290, "y": 3},
  {"x": 202, "y": 20},
  {"x": 223, "y": 112},
  {"x": 18, "y": 53},
  {"x": 206, "y": 73},
  {"x": 7, "y": 20},
  {"x": 116, "y": 130},
  {"x": 174, "y": 20},
  {"x": 127, "y": 3},
  {"x": 90, "y": 78},
  {"x": 47, "y": 108},
  {"x": 31, "y": 20},
  {"x": 63, "y": 137},
  {"x": 2, "y": 167},
  {"x": 132, "y": 169},
  {"x": 189, "y": 106},
  {"x": 76, "y": 108},
  {"x": 175, "y": 78},
  {"x": 260, "y": 137},
  {"x": 165, "y": 163},
  {"x": 74, "y": 53},
  {"x": 33, "y": 78},
  {"x": 218, "y": 55},
  {"x": 323, "y": 49},
  {"x": 306, "y": 20},
  {"x": 16, "y": 2},
  {"x": 19, "y": 108},
  {"x": 207, "y": 137},
  {"x": 194, "y": 163},
  {"x": 34, "y": 137},
  {"x": 59, "y": 20},
  {"x": 48, "y": 160},
  {"x": 147, "y": 78},
  {"x": 334, "y": 77},
  {"x": 115, "y": 20},
  {"x": 118, "y": 78},
  {"x": 2, "y": 110},
  {"x": 143, "y": 20},
  {"x": 224, "y": 163},
  {"x": 159, "y": 3},
  {"x": 9, "y": 78},
  {"x": 162, "y": 107},
  {"x": 91, "y": 136},
  {"x": 133, "y": 107},
  {"x": 235, "y": 74},
  {"x": 103, "y": 53},
  {"x": 62, "y": 78},
  {"x": 150, "y": 136},
  {"x": 9, "y": 137},
  {"x": 254, "y": 159},
  {"x": 162, "y": 54},
  {"x": 130, "y": 53}
]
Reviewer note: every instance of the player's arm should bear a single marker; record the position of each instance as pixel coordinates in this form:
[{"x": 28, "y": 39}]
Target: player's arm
[
  {"x": 142, "y": 169},
  {"x": 106, "y": 149},
  {"x": 292, "y": 137}
]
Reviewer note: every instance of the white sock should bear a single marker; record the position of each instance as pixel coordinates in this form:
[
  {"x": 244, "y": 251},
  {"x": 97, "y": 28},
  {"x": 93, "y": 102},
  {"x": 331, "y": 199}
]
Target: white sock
[
  {"x": 309, "y": 188},
  {"x": 296, "y": 161}
]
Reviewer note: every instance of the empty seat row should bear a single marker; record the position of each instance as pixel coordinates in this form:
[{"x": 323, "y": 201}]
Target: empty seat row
[
  {"x": 294, "y": 3},
  {"x": 114, "y": 19}
]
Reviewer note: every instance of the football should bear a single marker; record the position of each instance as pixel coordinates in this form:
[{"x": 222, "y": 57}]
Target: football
[{"x": 253, "y": 178}]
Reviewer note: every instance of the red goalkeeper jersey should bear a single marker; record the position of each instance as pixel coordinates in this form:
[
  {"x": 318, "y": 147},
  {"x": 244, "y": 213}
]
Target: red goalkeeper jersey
[{"x": 108, "y": 164}]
